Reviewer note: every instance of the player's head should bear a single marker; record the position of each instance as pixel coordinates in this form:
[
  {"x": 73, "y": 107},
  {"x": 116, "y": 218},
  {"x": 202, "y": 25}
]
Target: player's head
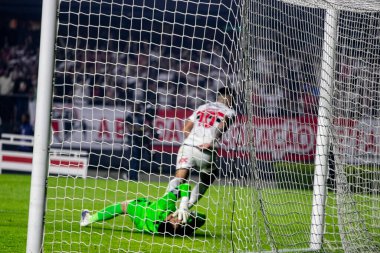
[
  {"x": 226, "y": 95},
  {"x": 172, "y": 226}
]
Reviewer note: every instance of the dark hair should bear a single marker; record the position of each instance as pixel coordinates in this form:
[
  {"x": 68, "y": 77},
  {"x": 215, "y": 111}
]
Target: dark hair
[
  {"x": 226, "y": 91},
  {"x": 166, "y": 228},
  {"x": 195, "y": 221}
]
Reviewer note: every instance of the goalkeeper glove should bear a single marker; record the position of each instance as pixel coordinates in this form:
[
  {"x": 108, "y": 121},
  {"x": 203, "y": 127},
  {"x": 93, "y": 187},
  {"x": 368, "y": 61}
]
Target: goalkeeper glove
[{"x": 183, "y": 212}]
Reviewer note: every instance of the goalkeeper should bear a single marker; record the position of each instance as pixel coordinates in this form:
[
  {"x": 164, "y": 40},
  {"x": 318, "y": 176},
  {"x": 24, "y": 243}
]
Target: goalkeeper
[{"x": 154, "y": 217}]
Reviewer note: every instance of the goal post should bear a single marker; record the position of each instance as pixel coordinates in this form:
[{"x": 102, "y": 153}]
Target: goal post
[
  {"x": 42, "y": 127},
  {"x": 298, "y": 171},
  {"x": 323, "y": 141}
]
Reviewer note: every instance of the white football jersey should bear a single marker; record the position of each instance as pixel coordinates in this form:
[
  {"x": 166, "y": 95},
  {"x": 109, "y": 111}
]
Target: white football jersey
[{"x": 206, "y": 120}]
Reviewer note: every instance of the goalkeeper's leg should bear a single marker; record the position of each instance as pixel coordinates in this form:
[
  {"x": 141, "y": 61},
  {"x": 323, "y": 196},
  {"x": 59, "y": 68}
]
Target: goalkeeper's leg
[{"x": 107, "y": 213}]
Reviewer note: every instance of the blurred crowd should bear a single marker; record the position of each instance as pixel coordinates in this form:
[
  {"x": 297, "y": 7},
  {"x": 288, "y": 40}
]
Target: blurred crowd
[
  {"x": 106, "y": 69},
  {"x": 141, "y": 71},
  {"x": 19, "y": 57},
  {"x": 168, "y": 76},
  {"x": 163, "y": 75},
  {"x": 19, "y": 48}
]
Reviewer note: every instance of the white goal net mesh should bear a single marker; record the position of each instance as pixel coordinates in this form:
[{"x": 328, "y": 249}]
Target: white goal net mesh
[{"x": 129, "y": 73}]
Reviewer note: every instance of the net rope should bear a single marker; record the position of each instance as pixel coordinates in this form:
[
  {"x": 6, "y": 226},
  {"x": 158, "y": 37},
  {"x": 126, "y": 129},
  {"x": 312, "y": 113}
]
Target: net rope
[{"x": 160, "y": 60}]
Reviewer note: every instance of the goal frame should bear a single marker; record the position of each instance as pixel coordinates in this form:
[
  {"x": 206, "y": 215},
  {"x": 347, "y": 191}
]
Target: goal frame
[
  {"x": 43, "y": 129},
  {"x": 323, "y": 130}
]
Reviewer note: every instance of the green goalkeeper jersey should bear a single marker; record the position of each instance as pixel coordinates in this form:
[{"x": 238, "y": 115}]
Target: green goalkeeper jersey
[{"x": 148, "y": 215}]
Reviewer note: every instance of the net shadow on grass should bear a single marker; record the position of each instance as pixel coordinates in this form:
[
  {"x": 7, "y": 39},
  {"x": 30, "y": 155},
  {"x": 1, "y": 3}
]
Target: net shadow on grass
[{"x": 197, "y": 234}]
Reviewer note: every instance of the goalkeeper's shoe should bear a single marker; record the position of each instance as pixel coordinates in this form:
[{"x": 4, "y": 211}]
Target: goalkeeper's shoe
[{"x": 85, "y": 218}]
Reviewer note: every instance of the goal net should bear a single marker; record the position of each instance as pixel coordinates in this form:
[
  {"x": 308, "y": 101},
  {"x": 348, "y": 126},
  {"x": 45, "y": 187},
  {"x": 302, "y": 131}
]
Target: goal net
[{"x": 297, "y": 171}]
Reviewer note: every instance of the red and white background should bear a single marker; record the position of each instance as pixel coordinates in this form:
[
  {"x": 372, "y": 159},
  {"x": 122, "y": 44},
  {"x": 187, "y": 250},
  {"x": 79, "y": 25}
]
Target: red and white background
[{"x": 291, "y": 139}]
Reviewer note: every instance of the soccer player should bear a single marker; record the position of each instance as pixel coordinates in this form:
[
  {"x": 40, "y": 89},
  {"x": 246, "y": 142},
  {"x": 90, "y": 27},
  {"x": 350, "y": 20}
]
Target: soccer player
[
  {"x": 151, "y": 216},
  {"x": 202, "y": 130}
]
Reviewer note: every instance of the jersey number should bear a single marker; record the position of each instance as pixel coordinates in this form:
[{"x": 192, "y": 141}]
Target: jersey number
[{"x": 208, "y": 118}]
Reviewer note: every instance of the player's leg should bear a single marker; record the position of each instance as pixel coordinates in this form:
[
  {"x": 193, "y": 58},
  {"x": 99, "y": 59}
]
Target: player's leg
[
  {"x": 184, "y": 163},
  {"x": 107, "y": 213},
  {"x": 180, "y": 178},
  {"x": 181, "y": 175},
  {"x": 206, "y": 166},
  {"x": 200, "y": 188}
]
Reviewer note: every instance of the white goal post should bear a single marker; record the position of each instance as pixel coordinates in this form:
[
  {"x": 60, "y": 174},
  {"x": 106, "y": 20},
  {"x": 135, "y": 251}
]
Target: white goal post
[
  {"x": 42, "y": 127},
  {"x": 324, "y": 125},
  {"x": 298, "y": 171}
]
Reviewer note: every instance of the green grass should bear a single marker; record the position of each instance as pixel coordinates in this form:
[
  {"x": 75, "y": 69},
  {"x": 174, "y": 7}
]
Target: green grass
[
  {"x": 228, "y": 208},
  {"x": 14, "y": 203},
  {"x": 119, "y": 235}
]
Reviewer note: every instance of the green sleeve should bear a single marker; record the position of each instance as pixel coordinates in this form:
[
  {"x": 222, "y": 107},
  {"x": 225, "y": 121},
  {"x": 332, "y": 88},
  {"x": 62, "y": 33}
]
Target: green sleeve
[
  {"x": 158, "y": 210},
  {"x": 184, "y": 190},
  {"x": 148, "y": 215}
]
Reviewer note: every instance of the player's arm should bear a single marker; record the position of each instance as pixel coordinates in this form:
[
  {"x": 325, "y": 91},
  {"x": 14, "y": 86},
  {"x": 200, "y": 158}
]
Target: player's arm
[
  {"x": 222, "y": 127},
  {"x": 183, "y": 213},
  {"x": 225, "y": 124},
  {"x": 189, "y": 124}
]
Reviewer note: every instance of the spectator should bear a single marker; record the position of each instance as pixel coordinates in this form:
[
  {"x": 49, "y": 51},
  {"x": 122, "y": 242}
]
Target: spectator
[
  {"x": 151, "y": 94},
  {"x": 216, "y": 58},
  {"x": 205, "y": 61},
  {"x": 272, "y": 97},
  {"x": 6, "y": 82},
  {"x": 26, "y": 129},
  {"x": 310, "y": 97},
  {"x": 138, "y": 140},
  {"x": 22, "y": 89},
  {"x": 81, "y": 91},
  {"x": 257, "y": 102},
  {"x": 168, "y": 95},
  {"x": 293, "y": 86}
]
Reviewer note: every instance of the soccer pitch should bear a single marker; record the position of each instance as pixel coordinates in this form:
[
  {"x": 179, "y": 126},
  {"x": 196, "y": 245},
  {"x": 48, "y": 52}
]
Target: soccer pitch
[
  {"x": 230, "y": 208},
  {"x": 118, "y": 234}
]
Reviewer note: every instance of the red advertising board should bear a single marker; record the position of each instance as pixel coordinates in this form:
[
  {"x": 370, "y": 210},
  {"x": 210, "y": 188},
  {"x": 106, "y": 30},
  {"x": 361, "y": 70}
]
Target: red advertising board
[
  {"x": 272, "y": 138},
  {"x": 292, "y": 139}
]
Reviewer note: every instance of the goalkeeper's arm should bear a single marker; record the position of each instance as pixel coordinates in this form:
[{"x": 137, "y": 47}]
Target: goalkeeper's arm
[{"x": 183, "y": 212}]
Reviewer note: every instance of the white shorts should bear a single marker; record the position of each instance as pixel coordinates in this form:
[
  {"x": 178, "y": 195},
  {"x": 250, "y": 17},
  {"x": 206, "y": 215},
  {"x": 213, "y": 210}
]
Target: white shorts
[{"x": 192, "y": 157}]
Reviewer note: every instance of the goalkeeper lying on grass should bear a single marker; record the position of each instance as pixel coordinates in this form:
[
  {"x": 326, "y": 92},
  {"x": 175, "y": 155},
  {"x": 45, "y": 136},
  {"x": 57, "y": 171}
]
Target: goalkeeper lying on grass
[{"x": 159, "y": 216}]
